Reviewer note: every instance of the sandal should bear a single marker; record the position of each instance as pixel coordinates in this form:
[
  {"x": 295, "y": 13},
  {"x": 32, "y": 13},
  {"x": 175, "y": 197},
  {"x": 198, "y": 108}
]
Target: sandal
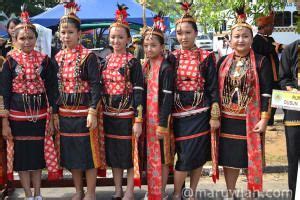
[{"x": 38, "y": 197}]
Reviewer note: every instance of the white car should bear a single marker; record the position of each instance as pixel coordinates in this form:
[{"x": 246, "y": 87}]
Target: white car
[{"x": 204, "y": 42}]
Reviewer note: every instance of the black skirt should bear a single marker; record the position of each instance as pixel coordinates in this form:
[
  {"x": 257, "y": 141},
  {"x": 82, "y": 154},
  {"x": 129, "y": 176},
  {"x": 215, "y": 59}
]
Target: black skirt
[
  {"x": 233, "y": 143},
  {"x": 76, "y": 152},
  {"x": 28, "y": 154},
  {"x": 192, "y": 153},
  {"x": 118, "y": 151}
]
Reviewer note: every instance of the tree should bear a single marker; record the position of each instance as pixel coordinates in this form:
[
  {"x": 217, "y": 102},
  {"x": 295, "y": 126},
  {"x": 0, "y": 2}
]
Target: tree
[
  {"x": 212, "y": 13},
  {"x": 34, "y": 6}
]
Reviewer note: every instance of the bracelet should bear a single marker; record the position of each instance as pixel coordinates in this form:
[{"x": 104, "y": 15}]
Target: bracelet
[
  {"x": 161, "y": 129},
  {"x": 138, "y": 120},
  {"x": 265, "y": 115},
  {"x": 92, "y": 111},
  {"x": 215, "y": 111}
]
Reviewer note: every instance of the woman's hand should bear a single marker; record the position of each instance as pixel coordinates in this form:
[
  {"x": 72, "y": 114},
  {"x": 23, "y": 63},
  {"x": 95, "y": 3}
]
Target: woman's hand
[
  {"x": 51, "y": 129},
  {"x": 261, "y": 126},
  {"x": 55, "y": 121},
  {"x": 91, "y": 121},
  {"x": 137, "y": 129},
  {"x": 6, "y": 130},
  {"x": 214, "y": 124}
]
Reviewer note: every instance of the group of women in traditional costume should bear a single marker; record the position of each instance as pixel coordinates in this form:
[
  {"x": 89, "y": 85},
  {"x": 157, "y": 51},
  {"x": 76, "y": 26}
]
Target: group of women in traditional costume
[{"x": 190, "y": 106}]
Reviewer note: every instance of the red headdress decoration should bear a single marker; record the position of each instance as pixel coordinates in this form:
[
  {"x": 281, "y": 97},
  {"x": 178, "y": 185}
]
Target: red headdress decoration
[
  {"x": 71, "y": 9},
  {"x": 241, "y": 18},
  {"x": 265, "y": 20},
  {"x": 121, "y": 16},
  {"x": 186, "y": 17},
  {"x": 25, "y": 19}
]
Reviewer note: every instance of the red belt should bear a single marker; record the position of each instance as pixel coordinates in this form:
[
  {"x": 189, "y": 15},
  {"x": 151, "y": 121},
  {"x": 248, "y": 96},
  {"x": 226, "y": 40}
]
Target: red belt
[
  {"x": 23, "y": 116},
  {"x": 191, "y": 136},
  {"x": 73, "y": 111},
  {"x": 121, "y": 137}
]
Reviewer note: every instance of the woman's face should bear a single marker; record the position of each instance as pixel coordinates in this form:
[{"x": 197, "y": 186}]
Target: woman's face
[
  {"x": 241, "y": 40},
  {"x": 11, "y": 29},
  {"x": 186, "y": 35},
  {"x": 118, "y": 39},
  {"x": 152, "y": 47},
  {"x": 26, "y": 40},
  {"x": 69, "y": 35}
]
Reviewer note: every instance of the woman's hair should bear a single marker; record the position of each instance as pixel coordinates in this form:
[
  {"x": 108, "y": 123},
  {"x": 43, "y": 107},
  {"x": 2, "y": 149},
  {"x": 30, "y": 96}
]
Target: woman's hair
[
  {"x": 192, "y": 23},
  {"x": 16, "y": 21},
  {"x": 160, "y": 39},
  {"x": 17, "y": 31}
]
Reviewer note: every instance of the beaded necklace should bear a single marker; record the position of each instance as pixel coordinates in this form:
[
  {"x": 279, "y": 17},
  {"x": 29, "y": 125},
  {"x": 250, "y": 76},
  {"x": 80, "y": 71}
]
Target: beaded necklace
[{"x": 76, "y": 96}]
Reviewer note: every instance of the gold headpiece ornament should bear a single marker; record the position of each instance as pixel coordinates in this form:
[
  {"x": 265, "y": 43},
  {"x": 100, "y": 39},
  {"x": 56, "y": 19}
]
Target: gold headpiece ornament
[
  {"x": 186, "y": 17},
  {"x": 25, "y": 24},
  {"x": 70, "y": 12},
  {"x": 241, "y": 18},
  {"x": 158, "y": 27},
  {"x": 121, "y": 15}
]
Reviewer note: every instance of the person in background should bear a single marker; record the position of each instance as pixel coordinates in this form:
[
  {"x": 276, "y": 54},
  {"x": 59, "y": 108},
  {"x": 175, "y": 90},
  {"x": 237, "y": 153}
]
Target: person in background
[
  {"x": 289, "y": 73},
  {"x": 138, "y": 49},
  {"x": 264, "y": 44},
  {"x": 8, "y": 45}
]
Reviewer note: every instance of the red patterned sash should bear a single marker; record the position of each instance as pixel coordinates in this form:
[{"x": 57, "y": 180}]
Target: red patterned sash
[
  {"x": 154, "y": 166},
  {"x": 254, "y": 147}
]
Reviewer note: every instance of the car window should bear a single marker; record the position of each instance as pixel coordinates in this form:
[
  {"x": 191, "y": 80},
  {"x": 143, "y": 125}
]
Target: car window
[{"x": 202, "y": 37}]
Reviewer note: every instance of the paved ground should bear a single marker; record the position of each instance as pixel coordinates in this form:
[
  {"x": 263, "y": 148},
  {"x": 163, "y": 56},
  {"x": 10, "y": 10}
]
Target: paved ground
[{"x": 274, "y": 186}]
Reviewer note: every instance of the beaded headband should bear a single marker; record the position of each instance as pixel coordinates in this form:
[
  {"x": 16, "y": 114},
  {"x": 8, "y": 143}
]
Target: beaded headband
[
  {"x": 186, "y": 17},
  {"x": 121, "y": 15}
]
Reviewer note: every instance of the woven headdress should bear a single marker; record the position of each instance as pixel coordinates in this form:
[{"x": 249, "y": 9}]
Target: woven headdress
[
  {"x": 158, "y": 27},
  {"x": 70, "y": 13},
  {"x": 25, "y": 24},
  {"x": 241, "y": 18},
  {"x": 186, "y": 17},
  {"x": 121, "y": 16}
]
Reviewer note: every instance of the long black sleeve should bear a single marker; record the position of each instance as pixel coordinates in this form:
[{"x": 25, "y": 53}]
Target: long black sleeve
[
  {"x": 265, "y": 82},
  {"x": 93, "y": 77},
  {"x": 167, "y": 94},
  {"x": 7, "y": 83},
  {"x": 211, "y": 79},
  {"x": 137, "y": 81},
  {"x": 288, "y": 66},
  {"x": 49, "y": 75},
  {"x": 263, "y": 46}
]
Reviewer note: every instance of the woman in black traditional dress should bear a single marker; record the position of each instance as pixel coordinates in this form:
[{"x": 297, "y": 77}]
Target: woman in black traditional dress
[
  {"x": 159, "y": 78},
  {"x": 245, "y": 91},
  {"x": 196, "y": 108},
  {"x": 79, "y": 94},
  {"x": 122, "y": 79},
  {"x": 29, "y": 87}
]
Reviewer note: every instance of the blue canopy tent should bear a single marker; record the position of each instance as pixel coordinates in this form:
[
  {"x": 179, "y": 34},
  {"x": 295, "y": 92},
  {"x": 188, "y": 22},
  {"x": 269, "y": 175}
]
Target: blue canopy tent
[{"x": 97, "y": 11}]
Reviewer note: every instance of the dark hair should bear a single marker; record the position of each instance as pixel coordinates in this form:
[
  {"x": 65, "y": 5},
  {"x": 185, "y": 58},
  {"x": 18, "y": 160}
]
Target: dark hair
[
  {"x": 16, "y": 21},
  {"x": 193, "y": 24},
  {"x": 126, "y": 30},
  {"x": 17, "y": 31},
  {"x": 71, "y": 21}
]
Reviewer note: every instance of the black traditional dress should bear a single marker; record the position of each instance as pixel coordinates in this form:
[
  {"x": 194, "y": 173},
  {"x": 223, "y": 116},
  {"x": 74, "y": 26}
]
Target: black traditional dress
[
  {"x": 29, "y": 87},
  {"x": 238, "y": 87},
  {"x": 122, "y": 80},
  {"x": 289, "y": 74},
  {"x": 79, "y": 88},
  {"x": 159, "y": 102},
  {"x": 196, "y": 89}
]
